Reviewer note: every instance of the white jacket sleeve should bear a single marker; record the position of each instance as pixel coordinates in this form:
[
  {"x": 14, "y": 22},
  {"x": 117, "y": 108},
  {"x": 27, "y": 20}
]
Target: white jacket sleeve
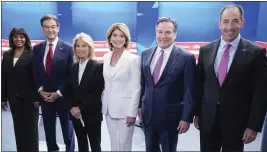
[{"x": 134, "y": 81}]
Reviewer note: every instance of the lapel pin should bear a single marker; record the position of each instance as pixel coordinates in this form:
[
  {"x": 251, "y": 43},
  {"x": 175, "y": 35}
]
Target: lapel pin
[{"x": 244, "y": 50}]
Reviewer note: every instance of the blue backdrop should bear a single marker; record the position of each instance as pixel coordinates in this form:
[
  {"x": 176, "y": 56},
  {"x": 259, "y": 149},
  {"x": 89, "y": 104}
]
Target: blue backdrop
[{"x": 197, "y": 21}]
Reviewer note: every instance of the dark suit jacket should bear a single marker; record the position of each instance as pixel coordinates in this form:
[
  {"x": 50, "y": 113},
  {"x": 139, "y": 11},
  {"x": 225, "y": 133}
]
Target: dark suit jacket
[
  {"x": 87, "y": 95},
  {"x": 173, "y": 97},
  {"x": 18, "y": 81},
  {"x": 60, "y": 68},
  {"x": 241, "y": 97}
]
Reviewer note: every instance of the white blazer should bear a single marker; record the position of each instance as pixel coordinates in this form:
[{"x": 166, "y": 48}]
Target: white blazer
[{"x": 121, "y": 95}]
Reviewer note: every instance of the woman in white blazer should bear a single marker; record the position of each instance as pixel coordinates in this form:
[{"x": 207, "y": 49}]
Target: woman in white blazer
[{"x": 122, "y": 88}]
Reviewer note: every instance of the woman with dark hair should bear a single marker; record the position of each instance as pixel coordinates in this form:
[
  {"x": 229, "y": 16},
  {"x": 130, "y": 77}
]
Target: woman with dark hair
[{"x": 18, "y": 89}]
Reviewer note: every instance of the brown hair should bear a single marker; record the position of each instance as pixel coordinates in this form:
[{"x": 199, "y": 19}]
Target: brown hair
[
  {"x": 125, "y": 30},
  {"x": 49, "y": 17}
]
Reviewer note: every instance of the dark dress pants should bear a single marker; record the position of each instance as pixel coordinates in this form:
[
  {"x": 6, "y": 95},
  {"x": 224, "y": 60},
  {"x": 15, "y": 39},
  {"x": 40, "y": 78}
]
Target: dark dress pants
[{"x": 25, "y": 120}]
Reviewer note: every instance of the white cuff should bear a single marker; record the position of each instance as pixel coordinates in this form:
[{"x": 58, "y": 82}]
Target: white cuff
[
  {"x": 59, "y": 93},
  {"x": 40, "y": 89}
]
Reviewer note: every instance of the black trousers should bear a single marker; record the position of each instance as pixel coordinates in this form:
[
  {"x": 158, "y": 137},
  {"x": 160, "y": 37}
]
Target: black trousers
[
  {"x": 25, "y": 120},
  {"x": 215, "y": 140},
  {"x": 92, "y": 130}
]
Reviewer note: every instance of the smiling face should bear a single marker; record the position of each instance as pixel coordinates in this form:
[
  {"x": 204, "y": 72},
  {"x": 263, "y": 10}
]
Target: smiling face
[
  {"x": 230, "y": 24},
  {"x": 118, "y": 39},
  {"x": 19, "y": 40},
  {"x": 82, "y": 49},
  {"x": 50, "y": 29},
  {"x": 165, "y": 34}
]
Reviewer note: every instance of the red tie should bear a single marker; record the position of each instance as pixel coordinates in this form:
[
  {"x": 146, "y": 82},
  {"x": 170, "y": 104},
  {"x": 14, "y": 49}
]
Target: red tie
[{"x": 48, "y": 61}]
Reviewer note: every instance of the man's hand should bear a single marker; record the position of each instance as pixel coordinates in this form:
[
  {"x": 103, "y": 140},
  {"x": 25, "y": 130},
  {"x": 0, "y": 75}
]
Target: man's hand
[
  {"x": 196, "y": 122},
  {"x": 4, "y": 106},
  {"x": 130, "y": 121},
  {"x": 139, "y": 113},
  {"x": 54, "y": 96},
  {"x": 249, "y": 136},
  {"x": 46, "y": 95},
  {"x": 75, "y": 112},
  {"x": 36, "y": 104},
  {"x": 183, "y": 127}
]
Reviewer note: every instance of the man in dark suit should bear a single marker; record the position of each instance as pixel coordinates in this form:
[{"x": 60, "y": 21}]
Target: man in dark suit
[
  {"x": 53, "y": 60},
  {"x": 168, "y": 95},
  {"x": 230, "y": 74}
]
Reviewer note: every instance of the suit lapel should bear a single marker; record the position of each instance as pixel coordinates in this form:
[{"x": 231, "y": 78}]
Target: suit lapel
[
  {"x": 172, "y": 59},
  {"x": 149, "y": 60},
  {"x": 87, "y": 74},
  {"x": 22, "y": 57},
  {"x": 212, "y": 58},
  {"x": 107, "y": 66},
  {"x": 119, "y": 64},
  {"x": 170, "y": 63},
  {"x": 238, "y": 58},
  {"x": 76, "y": 76},
  {"x": 9, "y": 60},
  {"x": 42, "y": 53},
  {"x": 58, "y": 52}
]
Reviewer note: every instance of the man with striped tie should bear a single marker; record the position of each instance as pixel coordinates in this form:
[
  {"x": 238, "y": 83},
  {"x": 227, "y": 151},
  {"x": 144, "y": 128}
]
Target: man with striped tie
[
  {"x": 231, "y": 97},
  {"x": 167, "y": 89}
]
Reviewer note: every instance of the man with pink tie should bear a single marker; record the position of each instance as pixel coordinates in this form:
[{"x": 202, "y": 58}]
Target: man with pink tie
[
  {"x": 231, "y": 98},
  {"x": 167, "y": 89}
]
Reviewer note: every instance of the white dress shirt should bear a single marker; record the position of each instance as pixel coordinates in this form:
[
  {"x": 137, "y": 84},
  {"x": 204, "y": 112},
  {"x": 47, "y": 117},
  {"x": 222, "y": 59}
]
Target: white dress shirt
[
  {"x": 82, "y": 66},
  {"x": 45, "y": 55},
  {"x": 221, "y": 49},
  {"x": 15, "y": 61},
  {"x": 156, "y": 56},
  {"x": 47, "y": 49}
]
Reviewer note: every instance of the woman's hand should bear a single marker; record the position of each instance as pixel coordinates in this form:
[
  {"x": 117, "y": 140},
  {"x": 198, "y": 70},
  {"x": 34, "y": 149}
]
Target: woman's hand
[{"x": 130, "y": 121}]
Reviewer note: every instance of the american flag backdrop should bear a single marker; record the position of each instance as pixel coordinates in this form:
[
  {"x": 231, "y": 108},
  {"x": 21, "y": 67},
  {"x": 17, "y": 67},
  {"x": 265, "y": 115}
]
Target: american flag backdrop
[{"x": 101, "y": 47}]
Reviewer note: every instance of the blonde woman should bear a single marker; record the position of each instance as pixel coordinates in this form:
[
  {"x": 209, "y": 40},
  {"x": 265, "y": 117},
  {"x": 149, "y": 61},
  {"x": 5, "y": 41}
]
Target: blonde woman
[
  {"x": 122, "y": 88},
  {"x": 84, "y": 88}
]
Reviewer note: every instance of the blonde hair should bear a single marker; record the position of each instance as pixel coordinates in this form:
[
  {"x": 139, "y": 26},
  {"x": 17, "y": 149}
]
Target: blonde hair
[
  {"x": 87, "y": 39},
  {"x": 125, "y": 30}
]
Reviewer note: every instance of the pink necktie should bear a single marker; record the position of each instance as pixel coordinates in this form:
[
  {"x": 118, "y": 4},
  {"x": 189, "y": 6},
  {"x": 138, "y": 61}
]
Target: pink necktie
[
  {"x": 223, "y": 66},
  {"x": 157, "y": 68}
]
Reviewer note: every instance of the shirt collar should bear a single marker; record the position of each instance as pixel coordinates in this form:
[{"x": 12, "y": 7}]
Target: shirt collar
[
  {"x": 166, "y": 51},
  {"x": 54, "y": 42},
  {"x": 234, "y": 43},
  {"x": 84, "y": 63}
]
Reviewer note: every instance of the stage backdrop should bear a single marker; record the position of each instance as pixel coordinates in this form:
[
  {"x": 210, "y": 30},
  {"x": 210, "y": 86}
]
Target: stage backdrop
[{"x": 197, "y": 21}]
